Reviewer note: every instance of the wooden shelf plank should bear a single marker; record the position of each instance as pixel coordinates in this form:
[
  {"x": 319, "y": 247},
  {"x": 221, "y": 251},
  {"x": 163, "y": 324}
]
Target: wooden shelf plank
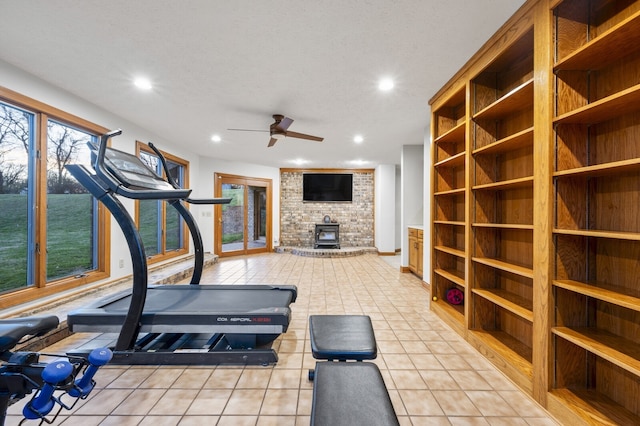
[
  {"x": 452, "y": 275},
  {"x": 506, "y": 184},
  {"x": 606, "y": 169},
  {"x": 453, "y": 161},
  {"x": 450, "y": 192},
  {"x": 512, "y": 142},
  {"x": 502, "y": 225},
  {"x": 621, "y": 103},
  {"x": 613, "y": 44},
  {"x": 452, "y": 315},
  {"x": 513, "y": 351},
  {"x": 453, "y": 135},
  {"x": 518, "y": 99},
  {"x": 607, "y": 293},
  {"x": 505, "y": 266},
  {"x": 631, "y": 236},
  {"x": 509, "y": 301},
  {"x": 615, "y": 349},
  {"x": 449, "y": 222},
  {"x": 450, "y": 250},
  {"x": 592, "y": 407}
]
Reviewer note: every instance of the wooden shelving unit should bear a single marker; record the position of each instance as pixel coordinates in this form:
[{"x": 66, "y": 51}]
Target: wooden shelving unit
[
  {"x": 596, "y": 226},
  {"x": 536, "y": 189},
  {"x": 502, "y": 210},
  {"x": 449, "y": 205}
]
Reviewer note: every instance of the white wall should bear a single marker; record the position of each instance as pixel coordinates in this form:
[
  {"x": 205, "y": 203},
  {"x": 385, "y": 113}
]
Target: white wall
[
  {"x": 426, "y": 242},
  {"x": 385, "y": 208},
  {"x": 398, "y": 203},
  {"x": 412, "y": 177}
]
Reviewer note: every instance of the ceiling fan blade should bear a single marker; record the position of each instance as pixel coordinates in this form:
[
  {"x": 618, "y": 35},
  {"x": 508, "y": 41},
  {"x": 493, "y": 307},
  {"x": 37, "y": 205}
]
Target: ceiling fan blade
[
  {"x": 284, "y": 123},
  {"x": 272, "y": 142},
  {"x": 303, "y": 136},
  {"x": 248, "y": 130}
]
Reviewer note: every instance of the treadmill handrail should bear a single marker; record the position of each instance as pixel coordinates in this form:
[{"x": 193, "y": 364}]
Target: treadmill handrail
[
  {"x": 173, "y": 183},
  {"x": 117, "y": 187}
]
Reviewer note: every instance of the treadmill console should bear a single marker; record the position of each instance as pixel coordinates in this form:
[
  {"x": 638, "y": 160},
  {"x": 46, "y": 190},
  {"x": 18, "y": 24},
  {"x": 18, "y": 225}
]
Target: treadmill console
[{"x": 131, "y": 171}]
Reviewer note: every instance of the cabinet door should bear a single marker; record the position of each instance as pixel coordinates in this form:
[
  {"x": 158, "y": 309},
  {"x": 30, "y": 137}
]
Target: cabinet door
[
  {"x": 413, "y": 253},
  {"x": 420, "y": 255}
]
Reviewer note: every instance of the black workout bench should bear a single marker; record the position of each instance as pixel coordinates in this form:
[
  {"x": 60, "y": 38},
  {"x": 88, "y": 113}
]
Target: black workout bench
[{"x": 347, "y": 393}]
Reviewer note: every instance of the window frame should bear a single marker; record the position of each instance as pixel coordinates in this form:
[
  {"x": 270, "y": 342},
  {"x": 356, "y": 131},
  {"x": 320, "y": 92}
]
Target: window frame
[
  {"x": 164, "y": 254},
  {"x": 41, "y": 287}
]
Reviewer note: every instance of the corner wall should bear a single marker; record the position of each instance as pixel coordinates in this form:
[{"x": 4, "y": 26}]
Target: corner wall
[{"x": 412, "y": 193}]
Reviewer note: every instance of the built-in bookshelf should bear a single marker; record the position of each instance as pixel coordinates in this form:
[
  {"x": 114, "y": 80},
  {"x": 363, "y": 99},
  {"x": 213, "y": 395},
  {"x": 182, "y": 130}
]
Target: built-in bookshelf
[
  {"x": 501, "y": 277},
  {"x": 596, "y": 225},
  {"x": 536, "y": 189},
  {"x": 449, "y": 204}
]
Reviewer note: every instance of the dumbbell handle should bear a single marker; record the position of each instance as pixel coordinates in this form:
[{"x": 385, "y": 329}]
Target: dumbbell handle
[
  {"x": 84, "y": 385},
  {"x": 42, "y": 404}
]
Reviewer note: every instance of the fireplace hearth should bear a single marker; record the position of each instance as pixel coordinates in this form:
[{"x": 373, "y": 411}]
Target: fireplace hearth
[{"x": 327, "y": 235}]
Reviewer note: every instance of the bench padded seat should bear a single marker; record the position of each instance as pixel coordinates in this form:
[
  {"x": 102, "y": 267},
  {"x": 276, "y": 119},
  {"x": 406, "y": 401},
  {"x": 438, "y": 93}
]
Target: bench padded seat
[
  {"x": 350, "y": 394},
  {"x": 342, "y": 337}
]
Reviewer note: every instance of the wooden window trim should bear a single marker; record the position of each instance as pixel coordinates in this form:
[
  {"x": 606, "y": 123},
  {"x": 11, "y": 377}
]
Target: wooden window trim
[{"x": 41, "y": 288}]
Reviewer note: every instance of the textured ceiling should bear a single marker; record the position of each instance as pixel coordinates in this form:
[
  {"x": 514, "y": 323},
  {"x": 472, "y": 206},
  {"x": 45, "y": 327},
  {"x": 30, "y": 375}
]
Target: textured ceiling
[{"x": 218, "y": 64}]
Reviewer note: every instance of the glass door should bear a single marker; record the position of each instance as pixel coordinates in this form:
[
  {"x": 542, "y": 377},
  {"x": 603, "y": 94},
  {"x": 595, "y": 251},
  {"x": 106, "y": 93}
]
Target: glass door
[{"x": 244, "y": 225}]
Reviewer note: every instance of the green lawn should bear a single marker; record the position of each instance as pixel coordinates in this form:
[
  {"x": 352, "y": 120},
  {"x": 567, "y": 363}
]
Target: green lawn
[
  {"x": 68, "y": 235},
  {"x": 68, "y": 231},
  {"x": 13, "y": 234}
]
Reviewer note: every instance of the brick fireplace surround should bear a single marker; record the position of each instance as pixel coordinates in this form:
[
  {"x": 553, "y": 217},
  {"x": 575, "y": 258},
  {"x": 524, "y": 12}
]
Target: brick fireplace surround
[{"x": 298, "y": 218}]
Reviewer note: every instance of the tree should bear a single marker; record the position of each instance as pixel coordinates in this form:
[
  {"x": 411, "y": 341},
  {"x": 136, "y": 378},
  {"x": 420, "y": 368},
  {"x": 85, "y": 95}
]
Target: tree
[
  {"x": 14, "y": 134},
  {"x": 63, "y": 145}
]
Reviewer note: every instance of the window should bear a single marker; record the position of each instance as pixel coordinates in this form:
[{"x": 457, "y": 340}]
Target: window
[
  {"x": 52, "y": 229},
  {"x": 16, "y": 198},
  {"x": 162, "y": 229}
]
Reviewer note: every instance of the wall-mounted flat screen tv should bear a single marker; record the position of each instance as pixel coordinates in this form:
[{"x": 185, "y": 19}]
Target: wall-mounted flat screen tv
[{"x": 327, "y": 187}]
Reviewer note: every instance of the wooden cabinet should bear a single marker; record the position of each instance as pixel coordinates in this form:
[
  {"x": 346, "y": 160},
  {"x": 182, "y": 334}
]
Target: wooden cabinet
[
  {"x": 535, "y": 195},
  {"x": 416, "y": 251}
]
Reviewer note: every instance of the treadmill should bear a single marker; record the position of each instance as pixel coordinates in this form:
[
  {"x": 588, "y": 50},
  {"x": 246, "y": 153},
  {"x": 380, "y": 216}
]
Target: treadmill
[{"x": 174, "y": 324}]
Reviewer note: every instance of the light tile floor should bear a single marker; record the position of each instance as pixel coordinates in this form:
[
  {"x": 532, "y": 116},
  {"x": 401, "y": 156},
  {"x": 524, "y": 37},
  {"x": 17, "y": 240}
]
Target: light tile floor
[{"x": 433, "y": 376}]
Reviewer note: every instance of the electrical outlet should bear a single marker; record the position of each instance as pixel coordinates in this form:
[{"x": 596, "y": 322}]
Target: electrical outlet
[{"x": 121, "y": 263}]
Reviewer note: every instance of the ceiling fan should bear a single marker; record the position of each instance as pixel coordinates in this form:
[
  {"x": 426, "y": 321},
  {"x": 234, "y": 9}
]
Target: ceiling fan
[{"x": 278, "y": 130}]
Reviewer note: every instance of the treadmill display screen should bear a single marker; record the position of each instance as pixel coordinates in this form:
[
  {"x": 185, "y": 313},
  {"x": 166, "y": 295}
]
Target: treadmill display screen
[
  {"x": 131, "y": 171},
  {"x": 125, "y": 162}
]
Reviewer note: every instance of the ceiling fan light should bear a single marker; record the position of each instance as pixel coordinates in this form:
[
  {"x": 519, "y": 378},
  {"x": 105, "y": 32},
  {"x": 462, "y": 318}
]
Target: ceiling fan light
[{"x": 278, "y": 136}]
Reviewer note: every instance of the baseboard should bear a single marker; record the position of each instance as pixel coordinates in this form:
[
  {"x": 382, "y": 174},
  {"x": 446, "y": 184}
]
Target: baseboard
[
  {"x": 386, "y": 253},
  {"x": 404, "y": 269}
]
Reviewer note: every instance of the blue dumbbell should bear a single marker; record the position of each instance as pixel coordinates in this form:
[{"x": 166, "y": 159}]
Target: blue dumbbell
[
  {"x": 84, "y": 385},
  {"x": 43, "y": 403}
]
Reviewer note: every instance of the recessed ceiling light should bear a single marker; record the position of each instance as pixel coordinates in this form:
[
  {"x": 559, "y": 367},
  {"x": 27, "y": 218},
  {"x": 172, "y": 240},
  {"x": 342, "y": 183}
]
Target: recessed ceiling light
[
  {"x": 142, "y": 83},
  {"x": 385, "y": 84},
  {"x": 299, "y": 161},
  {"x": 358, "y": 162},
  {"x": 358, "y": 139},
  {"x": 216, "y": 138}
]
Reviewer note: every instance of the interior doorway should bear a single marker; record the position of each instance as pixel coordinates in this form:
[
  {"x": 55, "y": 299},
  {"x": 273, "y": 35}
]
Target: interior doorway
[{"x": 244, "y": 225}]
